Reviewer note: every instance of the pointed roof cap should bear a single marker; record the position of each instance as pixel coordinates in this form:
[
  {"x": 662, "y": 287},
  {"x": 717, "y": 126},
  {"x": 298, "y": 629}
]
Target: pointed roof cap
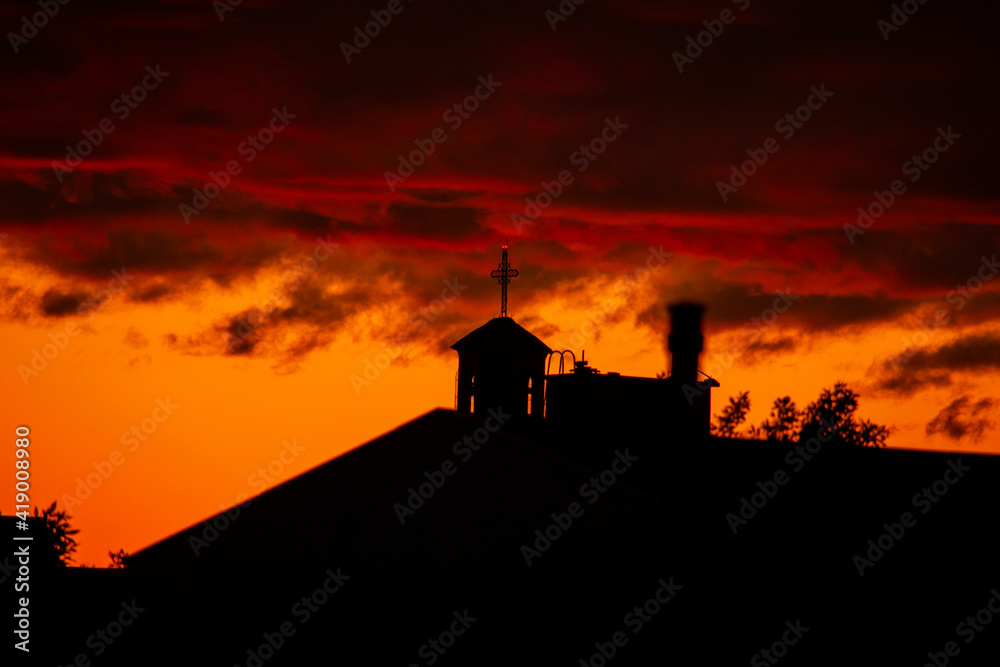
[{"x": 501, "y": 335}]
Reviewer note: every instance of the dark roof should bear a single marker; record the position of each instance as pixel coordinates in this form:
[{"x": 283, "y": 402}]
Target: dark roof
[
  {"x": 756, "y": 533},
  {"x": 502, "y": 335},
  {"x": 344, "y": 508}
]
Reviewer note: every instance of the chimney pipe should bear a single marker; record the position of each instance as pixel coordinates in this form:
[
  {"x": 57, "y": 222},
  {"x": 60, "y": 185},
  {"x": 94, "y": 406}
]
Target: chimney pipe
[{"x": 685, "y": 341}]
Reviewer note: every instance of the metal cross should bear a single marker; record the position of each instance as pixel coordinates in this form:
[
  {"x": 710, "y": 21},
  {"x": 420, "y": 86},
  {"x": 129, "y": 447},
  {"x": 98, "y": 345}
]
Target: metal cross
[{"x": 503, "y": 274}]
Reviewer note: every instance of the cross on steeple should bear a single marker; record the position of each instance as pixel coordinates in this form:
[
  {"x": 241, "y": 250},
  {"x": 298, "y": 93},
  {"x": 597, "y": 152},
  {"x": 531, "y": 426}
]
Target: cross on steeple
[{"x": 503, "y": 274}]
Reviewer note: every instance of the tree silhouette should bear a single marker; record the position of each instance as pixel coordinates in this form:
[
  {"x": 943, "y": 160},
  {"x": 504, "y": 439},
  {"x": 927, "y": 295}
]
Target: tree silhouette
[
  {"x": 119, "y": 559},
  {"x": 782, "y": 424},
  {"x": 834, "y": 412},
  {"x": 63, "y": 544},
  {"x": 869, "y": 434},
  {"x": 831, "y": 417},
  {"x": 732, "y": 416}
]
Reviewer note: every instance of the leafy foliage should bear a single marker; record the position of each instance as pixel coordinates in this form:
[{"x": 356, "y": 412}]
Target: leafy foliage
[
  {"x": 119, "y": 559},
  {"x": 782, "y": 424},
  {"x": 834, "y": 410},
  {"x": 732, "y": 416},
  {"x": 63, "y": 542},
  {"x": 832, "y": 413}
]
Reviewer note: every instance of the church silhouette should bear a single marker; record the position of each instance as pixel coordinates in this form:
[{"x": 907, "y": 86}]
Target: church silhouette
[{"x": 569, "y": 516}]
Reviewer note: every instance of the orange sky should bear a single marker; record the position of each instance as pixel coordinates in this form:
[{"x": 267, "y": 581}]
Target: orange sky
[
  {"x": 255, "y": 309},
  {"x": 233, "y": 416}
]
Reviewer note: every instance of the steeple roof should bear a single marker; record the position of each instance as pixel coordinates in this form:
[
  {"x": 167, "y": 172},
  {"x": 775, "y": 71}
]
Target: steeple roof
[{"x": 501, "y": 335}]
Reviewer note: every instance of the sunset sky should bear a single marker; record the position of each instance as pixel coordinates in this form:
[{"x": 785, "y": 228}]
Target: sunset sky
[{"x": 185, "y": 338}]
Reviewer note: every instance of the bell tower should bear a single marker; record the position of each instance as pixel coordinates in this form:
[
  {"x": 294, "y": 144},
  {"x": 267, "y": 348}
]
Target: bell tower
[{"x": 501, "y": 364}]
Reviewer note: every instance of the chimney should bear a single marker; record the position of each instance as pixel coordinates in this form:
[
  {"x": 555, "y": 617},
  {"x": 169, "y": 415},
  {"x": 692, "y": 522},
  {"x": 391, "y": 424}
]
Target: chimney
[{"x": 685, "y": 341}]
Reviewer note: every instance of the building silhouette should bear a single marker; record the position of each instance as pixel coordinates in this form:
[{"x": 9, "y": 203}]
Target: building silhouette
[
  {"x": 576, "y": 517},
  {"x": 501, "y": 363}
]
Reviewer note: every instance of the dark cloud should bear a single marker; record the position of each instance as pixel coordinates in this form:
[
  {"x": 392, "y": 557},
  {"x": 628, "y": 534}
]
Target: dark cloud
[
  {"x": 160, "y": 253},
  {"x": 977, "y": 351},
  {"x": 655, "y": 184},
  {"x": 135, "y": 339},
  {"x": 423, "y": 312},
  {"x": 305, "y": 222},
  {"x": 902, "y": 383},
  {"x": 244, "y": 330},
  {"x": 918, "y": 368},
  {"x": 59, "y": 304},
  {"x": 736, "y": 305},
  {"x": 927, "y": 256},
  {"x": 830, "y": 313},
  {"x": 449, "y": 223},
  {"x": 762, "y": 348},
  {"x": 82, "y": 196},
  {"x": 17, "y": 302},
  {"x": 22, "y": 202},
  {"x": 150, "y": 293},
  {"x": 286, "y": 327},
  {"x": 965, "y": 419},
  {"x": 155, "y": 251}
]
